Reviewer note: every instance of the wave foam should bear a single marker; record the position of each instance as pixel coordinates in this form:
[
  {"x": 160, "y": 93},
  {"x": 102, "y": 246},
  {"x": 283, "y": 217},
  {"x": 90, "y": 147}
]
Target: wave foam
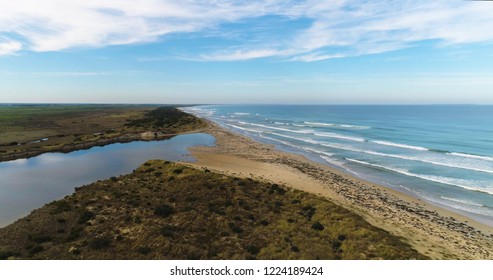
[
  {"x": 403, "y": 157},
  {"x": 428, "y": 161},
  {"x": 332, "y": 161},
  {"x": 462, "y": 201},
  {"x": 323, "y": 154},
  {"x": 392, "y": 144},
  {"x": 321, "y": 124},
  {"x": 437, "y": 179},
  {"x": 339, "y": 136},
  {"x": 341, "y": 147},
  {"x": 303, "y": 131},
  {"x": 471, "y": 156},
  {"x": 296, "y": 138},
  {"x": 277, "y": 140},
  {"x": 317, "y": 151},
  {"x": 243, "y": 128}
]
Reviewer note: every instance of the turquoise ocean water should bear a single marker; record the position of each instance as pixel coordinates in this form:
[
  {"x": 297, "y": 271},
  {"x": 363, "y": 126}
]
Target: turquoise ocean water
[{"x": 443, "y": 154}]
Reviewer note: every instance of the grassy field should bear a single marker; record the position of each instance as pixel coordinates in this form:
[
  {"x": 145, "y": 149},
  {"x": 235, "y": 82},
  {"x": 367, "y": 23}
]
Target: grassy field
[
  {"x": 165, "y": 210},
  {"x": 31, "y": 130},
  {"x": 24, "y": 124}
]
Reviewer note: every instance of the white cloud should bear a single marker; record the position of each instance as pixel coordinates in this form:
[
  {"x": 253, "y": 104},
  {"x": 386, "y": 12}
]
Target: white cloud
[
  {"x": 314, "y": 56},
  {"x": 52, "y": 25},
  {"x": 9, "y": 47},
  {"x": 240, "y": 55},
  {"x": 372, "y": 27},
  {"x": 338, "y": 28}
]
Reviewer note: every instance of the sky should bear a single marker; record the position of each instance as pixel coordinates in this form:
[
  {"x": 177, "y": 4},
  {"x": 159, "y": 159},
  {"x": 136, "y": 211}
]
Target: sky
[{"x": 265, "y": 52}]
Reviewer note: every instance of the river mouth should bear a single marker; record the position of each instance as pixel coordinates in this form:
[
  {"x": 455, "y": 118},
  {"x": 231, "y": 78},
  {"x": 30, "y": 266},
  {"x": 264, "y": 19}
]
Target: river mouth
[{"x": 28, "y": 184}]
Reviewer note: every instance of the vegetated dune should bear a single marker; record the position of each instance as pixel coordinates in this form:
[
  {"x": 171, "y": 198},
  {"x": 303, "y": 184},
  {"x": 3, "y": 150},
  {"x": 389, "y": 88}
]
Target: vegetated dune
[{"x": 165, "y": 210}]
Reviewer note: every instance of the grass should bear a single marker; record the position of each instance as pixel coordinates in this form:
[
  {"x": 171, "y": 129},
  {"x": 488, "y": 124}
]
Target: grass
[
  {"x": 24, "y": 124},
  {"x": 197, "y": 215}
]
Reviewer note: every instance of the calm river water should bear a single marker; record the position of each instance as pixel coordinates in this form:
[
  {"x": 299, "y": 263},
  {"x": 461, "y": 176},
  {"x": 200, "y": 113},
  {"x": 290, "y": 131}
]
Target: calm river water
[{"x": 27, "y": 184}]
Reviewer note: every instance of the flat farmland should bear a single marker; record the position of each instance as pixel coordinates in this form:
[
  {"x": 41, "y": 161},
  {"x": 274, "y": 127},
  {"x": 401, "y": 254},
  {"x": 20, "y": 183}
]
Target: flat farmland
[{"x": 31, "y": 130}]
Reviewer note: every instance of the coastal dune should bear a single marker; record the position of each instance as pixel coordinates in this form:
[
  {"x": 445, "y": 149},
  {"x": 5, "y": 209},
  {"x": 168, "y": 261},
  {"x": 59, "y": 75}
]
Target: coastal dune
[{"x": 432, "y": 231}]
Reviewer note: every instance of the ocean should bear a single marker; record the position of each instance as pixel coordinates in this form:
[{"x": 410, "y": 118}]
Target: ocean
[{"x": 440, "y": 153}]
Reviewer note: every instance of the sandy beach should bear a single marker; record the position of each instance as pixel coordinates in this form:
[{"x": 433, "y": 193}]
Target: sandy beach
[{"x": 433, "y": 231}]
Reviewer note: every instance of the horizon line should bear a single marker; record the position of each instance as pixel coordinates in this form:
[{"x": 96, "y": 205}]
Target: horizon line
[{"x": 248, "y": 104}]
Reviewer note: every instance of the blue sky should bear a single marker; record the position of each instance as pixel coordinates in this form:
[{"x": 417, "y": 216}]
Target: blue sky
[{"x": 331, "y": 52}]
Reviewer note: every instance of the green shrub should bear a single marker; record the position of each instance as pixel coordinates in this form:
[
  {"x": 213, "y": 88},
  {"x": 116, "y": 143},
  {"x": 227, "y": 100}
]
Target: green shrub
[
  {"x": 75, "y": 233},
  {"x": 252, "y": 249},
  {"x": 336, "y": 244},
  {"x": 60, "y": 206},
  {"x": 318, "y": 226},
  {"x": 144, "y": 250},
  {"x": 277, "y": 189},
  {"x": 100, "y": 243},
  {"x": 36, "y": 249},
  {"x": 264, "y": 223},
  {"x": 40, "y": 238},
  {"x": 4, "y": 255},
  {"x": 85, "y": 216},
  {"x": 235, "y": 228},
  {"x": 164, "y": 210},
  {"x": 168, "y": 231},
  {"x": 308, "y": 211}
]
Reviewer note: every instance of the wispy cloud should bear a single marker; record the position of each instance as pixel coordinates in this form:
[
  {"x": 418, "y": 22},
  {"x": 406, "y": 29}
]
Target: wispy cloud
[
  {"x": 9, "y": 46},
  {"x": 337, "y": 28},
  {"x": 240, "y": 54}
]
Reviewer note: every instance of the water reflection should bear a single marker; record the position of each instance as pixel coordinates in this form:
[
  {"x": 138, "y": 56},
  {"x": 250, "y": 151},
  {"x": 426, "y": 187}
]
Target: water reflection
[{"x": 27, "y": 184}]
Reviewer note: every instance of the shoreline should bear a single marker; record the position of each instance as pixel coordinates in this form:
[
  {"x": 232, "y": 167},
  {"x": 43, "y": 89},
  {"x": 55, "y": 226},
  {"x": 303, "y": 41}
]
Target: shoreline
[
  {"x": 126, "y": 138},
  {"x": 435, "y": 231}
]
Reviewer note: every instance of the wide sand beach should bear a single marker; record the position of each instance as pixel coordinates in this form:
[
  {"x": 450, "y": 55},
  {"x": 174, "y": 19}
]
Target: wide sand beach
[{"x": 433, "y": 231}]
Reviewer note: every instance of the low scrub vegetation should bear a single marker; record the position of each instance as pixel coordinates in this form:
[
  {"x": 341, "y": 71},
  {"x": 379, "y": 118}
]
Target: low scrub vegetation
[
  {"x": 197, "y": 215},
  {"x": 167, "y": 119}
]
